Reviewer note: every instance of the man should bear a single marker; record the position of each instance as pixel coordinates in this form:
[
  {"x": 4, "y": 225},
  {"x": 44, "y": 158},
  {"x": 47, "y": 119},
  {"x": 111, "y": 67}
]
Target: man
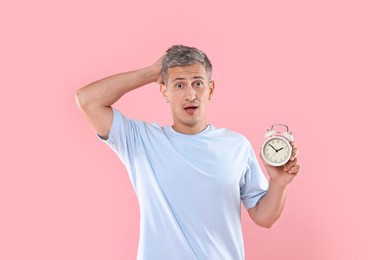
[{"x": 189, "y": 177}]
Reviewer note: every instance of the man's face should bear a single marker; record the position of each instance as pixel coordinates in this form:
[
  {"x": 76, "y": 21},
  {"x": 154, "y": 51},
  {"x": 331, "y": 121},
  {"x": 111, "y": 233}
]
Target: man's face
[{"x": 188, "y": 90}]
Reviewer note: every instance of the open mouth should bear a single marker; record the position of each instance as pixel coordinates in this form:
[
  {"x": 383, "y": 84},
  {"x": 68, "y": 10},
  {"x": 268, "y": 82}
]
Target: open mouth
[{"x": 191, "y": 109}]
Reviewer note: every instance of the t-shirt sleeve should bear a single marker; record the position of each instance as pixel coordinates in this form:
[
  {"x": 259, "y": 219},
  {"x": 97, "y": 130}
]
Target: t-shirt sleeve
[
  {"x": 253, "y": 184},
  {"x": 124, "y": 137}
]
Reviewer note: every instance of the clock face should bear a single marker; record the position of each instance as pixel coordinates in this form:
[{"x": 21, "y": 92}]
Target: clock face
[{"x": 276, "y": 151}]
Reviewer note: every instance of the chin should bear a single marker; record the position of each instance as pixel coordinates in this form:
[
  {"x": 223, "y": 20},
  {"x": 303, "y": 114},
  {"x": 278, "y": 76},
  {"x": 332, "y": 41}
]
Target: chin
[{"x": 191, "y": 123}]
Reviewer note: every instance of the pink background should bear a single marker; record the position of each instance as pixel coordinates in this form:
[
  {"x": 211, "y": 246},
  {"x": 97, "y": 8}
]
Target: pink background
[{"x": 322, "y": 67}]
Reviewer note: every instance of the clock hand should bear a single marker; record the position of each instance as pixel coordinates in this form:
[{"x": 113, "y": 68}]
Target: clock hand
[
  {"x": 280, "y": 149},
  {"x": 273, "y": 147}
]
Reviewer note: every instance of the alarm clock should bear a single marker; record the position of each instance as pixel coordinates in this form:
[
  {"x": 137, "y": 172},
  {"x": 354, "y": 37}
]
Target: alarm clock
[{"x": 277, "y": 149}]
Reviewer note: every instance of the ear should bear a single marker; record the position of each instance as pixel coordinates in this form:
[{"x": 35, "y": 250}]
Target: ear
[
  {"x": 211, "y": 87},
  {"x": 163, "y": 90}
]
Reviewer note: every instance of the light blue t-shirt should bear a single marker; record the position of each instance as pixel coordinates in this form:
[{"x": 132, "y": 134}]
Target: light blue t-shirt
[{"x": 189, "y": 188}]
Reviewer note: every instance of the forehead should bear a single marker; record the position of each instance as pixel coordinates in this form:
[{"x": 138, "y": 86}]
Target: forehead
[{"x": 194, "y": 70}]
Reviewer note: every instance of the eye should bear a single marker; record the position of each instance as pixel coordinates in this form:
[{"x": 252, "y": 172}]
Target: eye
[
  {"x": 179, "y": 85},
  {"x": 198, "y": 83}
]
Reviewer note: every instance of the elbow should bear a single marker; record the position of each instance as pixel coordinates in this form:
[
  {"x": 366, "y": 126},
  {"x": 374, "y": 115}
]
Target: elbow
[
  {"x": 265, "y": 224},
  {"x": 80, "y": 99},
  {"x": 262, "y": 220},
  {"x": 265, "y": 221}
]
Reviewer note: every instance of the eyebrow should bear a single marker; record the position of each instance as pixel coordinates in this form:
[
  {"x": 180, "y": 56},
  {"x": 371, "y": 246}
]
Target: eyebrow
[{"x": 196, "y": 77}]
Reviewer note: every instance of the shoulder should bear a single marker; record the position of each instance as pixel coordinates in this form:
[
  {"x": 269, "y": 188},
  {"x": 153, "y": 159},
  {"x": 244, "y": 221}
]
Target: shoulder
[
  {"x": 121, "y": 118},
  {"x": 228, "y": 134}
]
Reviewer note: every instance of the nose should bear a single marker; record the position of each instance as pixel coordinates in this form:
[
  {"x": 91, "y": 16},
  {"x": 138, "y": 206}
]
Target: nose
[{"x": 190, "y": 94}]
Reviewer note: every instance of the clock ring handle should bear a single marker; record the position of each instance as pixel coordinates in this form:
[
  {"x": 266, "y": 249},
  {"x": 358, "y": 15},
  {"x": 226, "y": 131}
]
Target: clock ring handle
[{"x": 281, "y": 125}]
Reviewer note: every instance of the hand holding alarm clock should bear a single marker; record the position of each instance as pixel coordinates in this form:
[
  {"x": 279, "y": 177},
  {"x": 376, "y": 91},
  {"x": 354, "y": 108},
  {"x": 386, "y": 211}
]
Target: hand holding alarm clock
[{"x": 277, "y": 149}]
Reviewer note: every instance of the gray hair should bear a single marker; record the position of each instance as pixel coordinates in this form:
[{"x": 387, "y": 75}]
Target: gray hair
[{"x": 182, "y": 56}]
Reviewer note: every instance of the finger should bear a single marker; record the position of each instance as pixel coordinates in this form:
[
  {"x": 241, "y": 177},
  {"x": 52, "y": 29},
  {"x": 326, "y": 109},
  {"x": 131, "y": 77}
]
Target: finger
[
  {"x": 295, "y": 169},
  {"x": 294, "y": 154},
  {"x": 290, "y": 164}
]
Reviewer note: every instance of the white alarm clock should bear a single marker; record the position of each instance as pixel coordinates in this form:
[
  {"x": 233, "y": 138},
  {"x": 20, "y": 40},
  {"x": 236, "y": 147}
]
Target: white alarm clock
[{"x": 277, "y": 149}]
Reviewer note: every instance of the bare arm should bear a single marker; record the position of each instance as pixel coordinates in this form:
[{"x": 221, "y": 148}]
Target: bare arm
[
  {"x": 95, "y": 99},
  {"x": 269, "y": 208}
]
